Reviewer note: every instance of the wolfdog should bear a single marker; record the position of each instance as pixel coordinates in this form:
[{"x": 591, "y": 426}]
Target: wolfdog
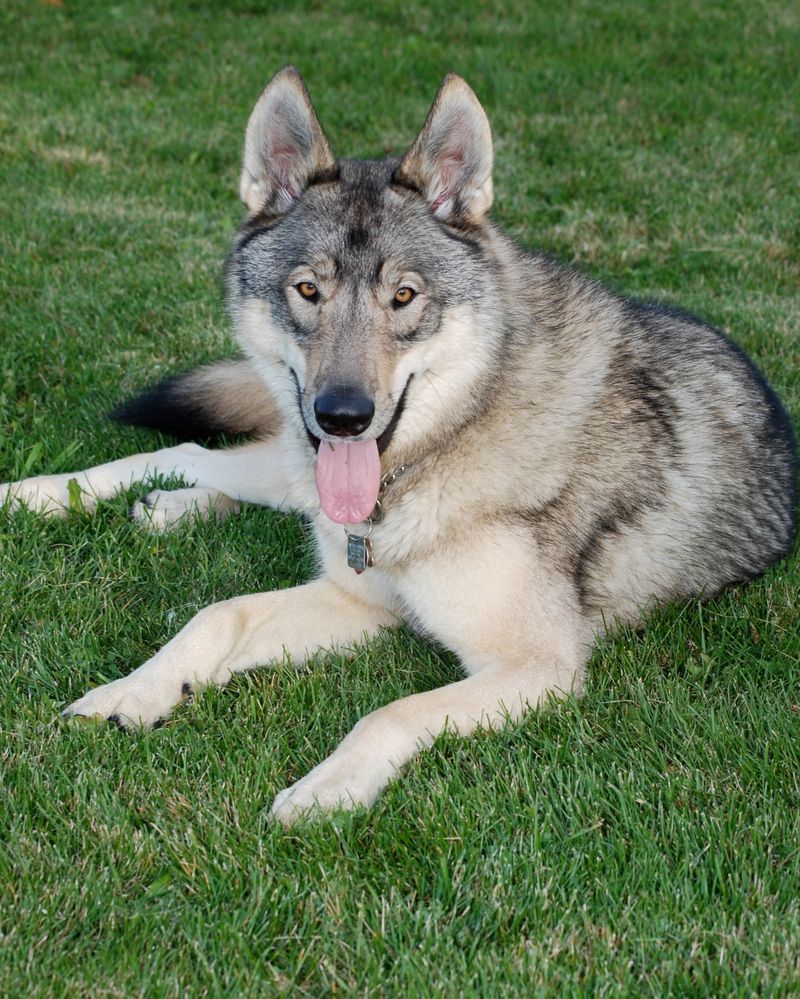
[{"x": 489, "y": 445}]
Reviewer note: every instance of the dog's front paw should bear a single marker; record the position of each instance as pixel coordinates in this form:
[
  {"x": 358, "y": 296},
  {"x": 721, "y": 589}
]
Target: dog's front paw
[
  {"x": 162, "y": 510},
  {"x": 130, "y": 702},
  {"x": 48, "y": 494},
  {"x": 337, "y": 783}
]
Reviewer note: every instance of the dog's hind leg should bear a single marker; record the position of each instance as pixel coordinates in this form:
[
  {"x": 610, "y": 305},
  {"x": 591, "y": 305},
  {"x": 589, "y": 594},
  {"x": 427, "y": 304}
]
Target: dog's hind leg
[{"x": 231, "y": 637}]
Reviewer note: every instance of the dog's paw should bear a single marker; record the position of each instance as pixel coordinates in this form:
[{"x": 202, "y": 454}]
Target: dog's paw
[
  {"x": 333, "y": 785},
  {"x": 52, "y": 495},
  {"x": 129, "y": 702},
  {"x": 165, "y": 509}
]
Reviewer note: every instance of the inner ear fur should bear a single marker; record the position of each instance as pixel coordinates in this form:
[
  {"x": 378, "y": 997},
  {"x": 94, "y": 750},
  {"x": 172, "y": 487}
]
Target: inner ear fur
[
  {"x": 284, "y": 145},
  {"x": 450, "y": 161}
]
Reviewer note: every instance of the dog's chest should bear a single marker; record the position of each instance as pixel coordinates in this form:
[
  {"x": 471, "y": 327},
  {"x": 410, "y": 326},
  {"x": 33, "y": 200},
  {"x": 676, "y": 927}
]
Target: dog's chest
[{"x": 409, "y": 523}]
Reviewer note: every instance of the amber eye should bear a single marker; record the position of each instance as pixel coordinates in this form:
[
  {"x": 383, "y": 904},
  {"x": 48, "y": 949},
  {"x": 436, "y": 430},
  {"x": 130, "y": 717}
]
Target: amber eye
[
  {"x": 404, "y": 295},
  {"x": 308, "y": 290}
]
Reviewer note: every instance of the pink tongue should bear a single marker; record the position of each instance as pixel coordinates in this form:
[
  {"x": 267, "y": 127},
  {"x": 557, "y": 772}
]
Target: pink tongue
[{"x": 348, "y": 479}]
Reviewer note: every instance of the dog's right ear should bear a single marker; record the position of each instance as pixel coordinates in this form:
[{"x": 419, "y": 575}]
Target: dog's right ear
[{"x": 284, "y": 146}]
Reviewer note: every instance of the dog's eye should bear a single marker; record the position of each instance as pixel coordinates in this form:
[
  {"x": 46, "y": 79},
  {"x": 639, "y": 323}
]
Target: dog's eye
[
  {"x": 308, "y": 290},
  {"x": 404, "y": 295}
]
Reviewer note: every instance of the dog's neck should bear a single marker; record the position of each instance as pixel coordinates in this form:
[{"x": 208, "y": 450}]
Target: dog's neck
[{"x": 359, "y": 544}]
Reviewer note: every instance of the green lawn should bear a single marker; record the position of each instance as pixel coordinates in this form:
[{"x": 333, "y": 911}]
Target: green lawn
[{"x": 644, "y": 840}]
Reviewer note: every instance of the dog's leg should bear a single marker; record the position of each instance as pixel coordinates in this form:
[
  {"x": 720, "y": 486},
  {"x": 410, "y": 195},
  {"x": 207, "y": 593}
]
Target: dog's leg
[
  {"x": 518, "y": 632},
  {"x": 164, "y": 509},
  {"x": 255, "y": 472},
  {"x": 231, "y": 637},
  {"x": 54, "y": 494}
]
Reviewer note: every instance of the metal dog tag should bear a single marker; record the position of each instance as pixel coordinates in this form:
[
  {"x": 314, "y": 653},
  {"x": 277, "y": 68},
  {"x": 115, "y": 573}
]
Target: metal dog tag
[{"x": 359, "y": 552}]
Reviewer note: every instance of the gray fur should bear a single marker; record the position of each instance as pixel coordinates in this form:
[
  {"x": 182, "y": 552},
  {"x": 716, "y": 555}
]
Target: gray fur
[
  {"x": 556, "y": 458},
  {"x": 676, "y": 461}
]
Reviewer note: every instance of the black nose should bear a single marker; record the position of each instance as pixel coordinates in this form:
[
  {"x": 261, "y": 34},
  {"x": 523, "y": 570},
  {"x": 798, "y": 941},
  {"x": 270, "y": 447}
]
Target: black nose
[{"x": 343, "y": 410}]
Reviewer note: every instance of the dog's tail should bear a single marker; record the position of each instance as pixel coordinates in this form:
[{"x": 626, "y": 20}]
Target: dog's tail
[{"x": 227, "y": 398}]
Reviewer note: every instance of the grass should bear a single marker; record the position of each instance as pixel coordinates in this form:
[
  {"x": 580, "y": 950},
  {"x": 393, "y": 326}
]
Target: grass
[{"x": 645, "y": 839}]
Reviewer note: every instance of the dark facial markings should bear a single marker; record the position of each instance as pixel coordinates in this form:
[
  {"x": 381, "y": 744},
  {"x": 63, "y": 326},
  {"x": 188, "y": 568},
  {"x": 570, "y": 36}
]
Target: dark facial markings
[
  {"x": 427, "y": 325},
  {"x": 371, "y": 231},
  {"x": 357, "y": 237},
  {"x": 386, "y": 436},
  {"x": 330, "y": 176},
  {"x": 253, "y": 231}
]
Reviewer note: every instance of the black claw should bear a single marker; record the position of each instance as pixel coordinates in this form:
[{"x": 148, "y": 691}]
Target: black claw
[
  {"x": 187, "y": 690},
  {"x": 115, "y": 720}
]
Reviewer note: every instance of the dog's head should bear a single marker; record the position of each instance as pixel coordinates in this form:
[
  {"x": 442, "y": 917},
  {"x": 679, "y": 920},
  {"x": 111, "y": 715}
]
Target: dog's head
[{"x": 360, "y": 287}]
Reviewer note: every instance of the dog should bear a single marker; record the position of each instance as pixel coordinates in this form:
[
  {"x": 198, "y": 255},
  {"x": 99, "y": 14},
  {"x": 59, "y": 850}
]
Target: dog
[{"x": 489, "y": 445}]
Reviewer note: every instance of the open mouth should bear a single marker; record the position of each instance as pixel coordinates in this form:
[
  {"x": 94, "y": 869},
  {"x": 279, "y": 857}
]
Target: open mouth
[
  {"x": 382, "y": 441},
  {"x": 348, "y": 473}
]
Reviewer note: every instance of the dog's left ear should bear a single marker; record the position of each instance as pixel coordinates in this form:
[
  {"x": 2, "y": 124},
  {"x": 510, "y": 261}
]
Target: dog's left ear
[
  {"x": 284, "y": 145},
  {"x": 451, "y": 158}
]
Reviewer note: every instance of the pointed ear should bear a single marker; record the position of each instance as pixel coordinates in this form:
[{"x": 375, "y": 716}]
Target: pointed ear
[
  {"x": 283, "y": 147},
  {"x": 451, "y": 158}
]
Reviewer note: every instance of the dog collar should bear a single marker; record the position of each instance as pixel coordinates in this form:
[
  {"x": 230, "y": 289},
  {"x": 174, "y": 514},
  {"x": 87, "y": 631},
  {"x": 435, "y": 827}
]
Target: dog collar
[{"x": 359, "y": 545}]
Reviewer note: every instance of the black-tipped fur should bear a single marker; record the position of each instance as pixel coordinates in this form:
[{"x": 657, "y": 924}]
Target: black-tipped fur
[
  {"x": 168, "y": 407},
  {"x": 224, "y": 399}
]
